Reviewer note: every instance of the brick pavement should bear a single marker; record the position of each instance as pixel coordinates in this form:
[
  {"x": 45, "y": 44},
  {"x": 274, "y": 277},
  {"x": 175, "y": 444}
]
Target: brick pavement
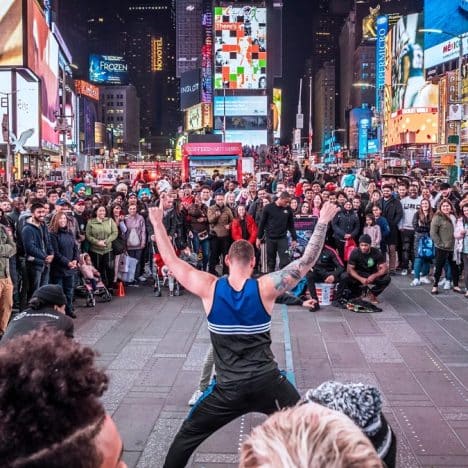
[{"x": 415, "y": 351}]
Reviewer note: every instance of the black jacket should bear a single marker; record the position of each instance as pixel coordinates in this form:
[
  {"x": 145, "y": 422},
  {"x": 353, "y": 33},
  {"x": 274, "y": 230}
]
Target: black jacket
[
  {"x": 345, "y": 222},
  {"x": 65, "y": 251},
  {"x": 276, "y": 222},
  {"x": 392, "y": 211},
  {"x": 37, "y": 244},
  {"x": 329, "y": 263}
]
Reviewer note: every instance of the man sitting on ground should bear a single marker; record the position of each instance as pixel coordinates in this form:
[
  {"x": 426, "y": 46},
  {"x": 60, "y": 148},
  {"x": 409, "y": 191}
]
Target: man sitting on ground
[{"x": 367, "y": 270}]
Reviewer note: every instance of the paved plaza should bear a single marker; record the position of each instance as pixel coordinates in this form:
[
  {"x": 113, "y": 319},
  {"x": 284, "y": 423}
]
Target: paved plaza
[{"x": 415, "y": 351}]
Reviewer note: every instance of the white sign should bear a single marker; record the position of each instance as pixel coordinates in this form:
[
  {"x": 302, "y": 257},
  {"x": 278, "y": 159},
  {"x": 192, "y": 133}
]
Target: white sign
[
  {"x": 238, "y": 106},
  {"x": 443, "y": 52},
  {"x": 300, "y": 121}
]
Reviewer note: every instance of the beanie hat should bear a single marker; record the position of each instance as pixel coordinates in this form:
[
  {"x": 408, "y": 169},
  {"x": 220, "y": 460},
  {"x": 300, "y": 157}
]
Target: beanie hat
[
  {"x": 363, "y": 405},
  {"x": 365, "y": 239},
  {"x": 51, "y": 293}
]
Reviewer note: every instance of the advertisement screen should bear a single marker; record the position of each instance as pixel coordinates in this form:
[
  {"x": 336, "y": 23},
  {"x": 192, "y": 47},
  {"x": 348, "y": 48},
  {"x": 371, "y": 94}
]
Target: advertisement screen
[
  {"x": 276, "y": 108},
  {"x": 382, "y": 30},
  {"x": 43, "y": 60},
  {"x": 108, "y": 69},
  {"x": 240, "y": 47},
  {"x": 83, "y": 88},
  {"x": 27, "y": 111},
  {"x": 190, "y": 92},
  {"x": 247, "y": 137},
  {"x": 409, "y": 88},
  {"x": 11, "y": 33},
  {"x": 450, "y": 16},
  {"x": 240, "y": 105},
  {"x": 207, "y": 52},
  {"x": 198, "y": 117},
  {"x": 242, "y": 123}
]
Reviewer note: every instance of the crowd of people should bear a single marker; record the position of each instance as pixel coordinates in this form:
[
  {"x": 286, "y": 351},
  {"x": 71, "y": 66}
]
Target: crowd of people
[{"x": 351, "y": 229}]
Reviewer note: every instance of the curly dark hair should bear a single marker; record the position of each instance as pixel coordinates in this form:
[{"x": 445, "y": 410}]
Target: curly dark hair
[{"x": 50, "y": 410}]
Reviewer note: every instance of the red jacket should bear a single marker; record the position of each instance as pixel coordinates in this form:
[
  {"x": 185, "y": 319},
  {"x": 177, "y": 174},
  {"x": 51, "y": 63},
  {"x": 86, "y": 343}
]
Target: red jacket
[{"x": 236, "y": 230}]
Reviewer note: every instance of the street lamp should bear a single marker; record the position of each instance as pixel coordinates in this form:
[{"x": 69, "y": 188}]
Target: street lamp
[{"x": 460, "y": 39}]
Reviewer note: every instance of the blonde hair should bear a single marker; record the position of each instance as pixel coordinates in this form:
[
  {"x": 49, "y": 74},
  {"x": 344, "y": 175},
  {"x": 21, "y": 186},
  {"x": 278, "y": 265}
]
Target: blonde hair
[{"x": 307, "y": 436}]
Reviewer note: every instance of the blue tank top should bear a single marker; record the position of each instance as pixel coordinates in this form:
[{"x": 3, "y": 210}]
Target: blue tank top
[{"x": 240, "y": 328}]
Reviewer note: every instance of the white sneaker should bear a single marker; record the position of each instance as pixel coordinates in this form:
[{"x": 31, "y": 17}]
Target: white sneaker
[
  {"x": 404, "y": 272},
  {"x": 196, "y": 395},
  {"x": 447, "y": 285},
  {"x": 415, "y": 282},
  {"x": 425, "y": 280},
  {"x": 142, "y": 279}
]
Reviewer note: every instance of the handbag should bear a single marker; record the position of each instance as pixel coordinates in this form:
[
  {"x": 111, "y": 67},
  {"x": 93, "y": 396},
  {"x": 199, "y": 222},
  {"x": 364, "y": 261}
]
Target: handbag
[
  {"x": 119, "y": 245},
  {"x": 124, "y": 264},
  {"x": 426, "y": 248},
  {"x": 349, "y": 246}
]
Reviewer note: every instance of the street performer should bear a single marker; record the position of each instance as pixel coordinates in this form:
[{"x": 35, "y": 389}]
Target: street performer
[{"x": 239, "y": 312}]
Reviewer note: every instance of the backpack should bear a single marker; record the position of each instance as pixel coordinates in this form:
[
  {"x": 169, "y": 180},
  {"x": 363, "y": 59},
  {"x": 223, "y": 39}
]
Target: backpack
[
  {"x": 426, "y": 248},
  {"x": 133, "y": 239}
]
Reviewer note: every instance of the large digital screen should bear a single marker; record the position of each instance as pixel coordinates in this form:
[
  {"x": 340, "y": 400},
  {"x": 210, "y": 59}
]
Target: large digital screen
[
  {"x": 240, "y": 105},
  {"x": 11, "y": 33},
  {"x": 198, "y": 117},
  {"x": 276, "y": 111},
  {"x": 108, "y": 69},
  {"x": 382, "y": 30},
  {"x": 242, "y": 123},
  {"x": 409, "y": 88},
  {"x": 240, "y": 47},
  {"x": 43, "y": 60},
  {"x": 190, "y": 92},
  {"x": 450, "y": 16},
  {"x": 247, "y": 137},
  {"x": 27, "y": 111}
]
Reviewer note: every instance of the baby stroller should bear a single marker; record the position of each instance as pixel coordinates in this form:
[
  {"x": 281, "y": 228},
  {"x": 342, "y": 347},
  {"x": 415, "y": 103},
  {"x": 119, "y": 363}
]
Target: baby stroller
[
  {"x": 90, "y": 284},
  {"x": 162, "y": 275}
]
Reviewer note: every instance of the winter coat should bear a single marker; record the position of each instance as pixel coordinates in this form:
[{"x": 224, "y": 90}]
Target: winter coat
[
  {"x": 392, "y": 211},
  {"x": 136, "y": 228},
  {"x": 329, "y": 263},
  {"x": 345, "y": 222},
  {"x": 7, "y": 250},
  {"x": 442, "y": 232},
  {"x": 375, "y": 234},
  {"x": 97, "y": 230},
  {"x": 65, "y": 251},
  {"x": 219, "y": 221},
  {"x": 195, "y": 212},
  {"x": 236, "y": 229},
  {"x": 36, "y": 243}
]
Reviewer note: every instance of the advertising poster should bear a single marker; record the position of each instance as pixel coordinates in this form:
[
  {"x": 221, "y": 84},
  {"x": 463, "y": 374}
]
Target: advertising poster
[
  {"x": 409, "y": 86},
  {"x": 108, "y": 69},
  {"x": 207, "y": 52},
  {"x": 246, "y": 137},
  {"x": 27, "y": 112},
  {"x": 198, "y": 117},
  {"x": 450, "y": 16},
  {"x": 382, "y": 30},
  {"x": 11, "y": 33},
  {"x": 43, "y": 60},
  {"x": 190, "y": 92},
  {"x": 276, "y": 111},
  {"x": 240, "y": 47}
]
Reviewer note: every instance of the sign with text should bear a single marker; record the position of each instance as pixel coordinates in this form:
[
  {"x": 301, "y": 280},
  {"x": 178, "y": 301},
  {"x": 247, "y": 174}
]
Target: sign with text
[
  {"x": 83, "y": 88},
  {"x": 190, "y": 92},
  {"x": 108, "y": 69}
]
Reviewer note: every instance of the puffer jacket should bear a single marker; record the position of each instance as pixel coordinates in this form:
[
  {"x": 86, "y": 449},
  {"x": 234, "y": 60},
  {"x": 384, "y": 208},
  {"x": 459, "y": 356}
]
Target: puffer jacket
[
  {"x": 7, "y": 250},
  {"x": 97, "y": 230},
  {"x": 136, "y": 224},
  {"x": 442, "y": 232},
  {"x": 251, "y": 227},
  {"x": 345, "y": 222}
]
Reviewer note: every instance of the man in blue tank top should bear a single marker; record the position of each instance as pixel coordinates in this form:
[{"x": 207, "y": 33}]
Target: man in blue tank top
[{"x": 239, "y": 311}]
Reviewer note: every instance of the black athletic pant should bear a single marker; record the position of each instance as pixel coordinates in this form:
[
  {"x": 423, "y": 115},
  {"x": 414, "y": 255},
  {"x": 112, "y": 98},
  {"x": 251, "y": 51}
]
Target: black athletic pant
[
  {"x": 314, "y": 277},
  {"x": 218, "y": 246},
  {"x": 351, "y": 288},
  {"x": 441, "y": 257},
  {"x": 277, "y": 246},
  {"x": 222, "y": 404},
  {"x": 407, "y": 245}
]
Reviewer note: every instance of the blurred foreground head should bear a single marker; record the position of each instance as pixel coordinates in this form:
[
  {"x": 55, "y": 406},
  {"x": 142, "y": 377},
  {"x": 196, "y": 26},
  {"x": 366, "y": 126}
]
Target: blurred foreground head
[
  {"x": 308, "y": 436},
  {"x": 50, "y": 409}
]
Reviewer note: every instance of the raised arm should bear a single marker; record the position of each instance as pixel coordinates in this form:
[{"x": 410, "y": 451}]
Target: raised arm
[
  {"x": 278, "y": 282},
  {"x": 195, "y": 281}
]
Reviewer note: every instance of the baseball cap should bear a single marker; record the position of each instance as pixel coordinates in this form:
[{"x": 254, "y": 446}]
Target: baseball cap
[{"x": 51, "y": 293}]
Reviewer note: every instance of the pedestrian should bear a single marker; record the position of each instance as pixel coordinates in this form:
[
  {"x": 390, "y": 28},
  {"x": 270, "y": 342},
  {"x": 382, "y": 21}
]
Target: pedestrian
[
  {"x": 461, "y": 234},
  {"x": 7, "y": 251},
  {"x": 422, "y": 226},
  {"x": 38, "y": 249},
  {"x": 45, "y": 308},
  {"x": 66, "y": 256},
  {"x": 277, "y": 220},
  {"x": 239, "y": 311}
]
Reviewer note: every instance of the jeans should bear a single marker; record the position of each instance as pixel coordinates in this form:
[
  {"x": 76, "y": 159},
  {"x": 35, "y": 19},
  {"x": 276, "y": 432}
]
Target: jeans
[
  {"x": 67, "y": 283},
  {"x": 37, "y": 277},
  {"x": 421, "y": 267},
  {"x": 222, "y": 403},
  {"x": 441, "y": 257},
  {"x": 278, "y": 247},
  {"x": 465, "y": 269},
  {"x": 137, "y": 255},
  {"x": 205, "y": 248}
]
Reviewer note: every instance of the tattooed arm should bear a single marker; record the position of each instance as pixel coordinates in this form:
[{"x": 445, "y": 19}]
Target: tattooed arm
[{"x": 278, "y": 282}]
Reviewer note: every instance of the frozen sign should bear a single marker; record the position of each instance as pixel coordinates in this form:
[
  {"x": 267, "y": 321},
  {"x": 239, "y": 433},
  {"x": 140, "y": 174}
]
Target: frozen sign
[{"x": 108, "y": 69}]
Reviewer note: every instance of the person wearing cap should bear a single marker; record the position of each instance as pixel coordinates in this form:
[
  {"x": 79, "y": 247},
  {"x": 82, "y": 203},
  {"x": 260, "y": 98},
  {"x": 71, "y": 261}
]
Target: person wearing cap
[
  {"x": 45, "y": 308},
  {"x": 367, "y": 268}
]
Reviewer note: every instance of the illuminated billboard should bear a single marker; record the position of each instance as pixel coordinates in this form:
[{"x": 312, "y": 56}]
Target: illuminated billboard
[
  {"x": 382, "y": 30},
  {"x": 198, "y": 117},
  {"x": 207, "y": 52},
  {"x": 43, "y": 60},
  {"x": 83, "y": 88},
  {"x": 409, "y": 88},
  {"x": 252, "y": 122},
  {"x": 276, "y": 109},
  {"x": 108, "y": 69},
  {"x": 240, "y": 47},
  {"x": 11, "y": 33},
  {"x": 157, "y": 54},
  {"x": 240, "y": 105},
  {"x": 247, "y": 137},
  {"x": 449, "y": 16},
  {"x": 189, "y": 89}
]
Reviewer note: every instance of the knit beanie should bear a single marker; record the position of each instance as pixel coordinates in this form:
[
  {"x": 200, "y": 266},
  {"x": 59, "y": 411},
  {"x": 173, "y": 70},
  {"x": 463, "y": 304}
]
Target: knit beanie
[{"x": 51, "y": 294}]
